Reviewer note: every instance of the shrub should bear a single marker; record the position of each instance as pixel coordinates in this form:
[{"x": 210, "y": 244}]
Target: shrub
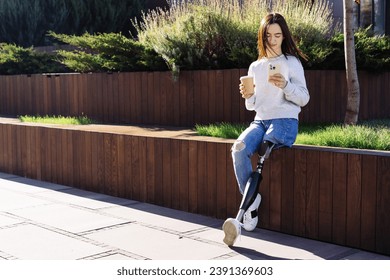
[
  {"x": 372, "y": 52},
  {"x": 221, "y": 34},
  {"x": 17, "y": 60},
  {"x": 107, "y": 52}
]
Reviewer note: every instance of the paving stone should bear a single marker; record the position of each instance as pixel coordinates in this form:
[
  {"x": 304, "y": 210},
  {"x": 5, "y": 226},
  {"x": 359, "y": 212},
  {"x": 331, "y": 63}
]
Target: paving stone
[
  {"x": 30, "y": 242},
  {"x": 67, "y": 218}
]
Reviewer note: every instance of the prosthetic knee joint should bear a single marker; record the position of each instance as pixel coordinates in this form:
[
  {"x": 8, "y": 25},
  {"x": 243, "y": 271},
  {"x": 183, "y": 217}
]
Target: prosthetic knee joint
[{"x": 252, "y": 186}]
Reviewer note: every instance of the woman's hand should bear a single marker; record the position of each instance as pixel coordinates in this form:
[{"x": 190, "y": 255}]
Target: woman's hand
[
  {"x": 278, "y": 80},
  {"x": 244, "y": 92}
]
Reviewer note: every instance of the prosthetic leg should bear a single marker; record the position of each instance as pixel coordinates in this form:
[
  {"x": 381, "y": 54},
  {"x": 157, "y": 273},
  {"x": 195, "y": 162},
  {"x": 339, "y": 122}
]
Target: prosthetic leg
[
  {"x": 252, "y": 186},
  {"x": 232, "y": 227}
]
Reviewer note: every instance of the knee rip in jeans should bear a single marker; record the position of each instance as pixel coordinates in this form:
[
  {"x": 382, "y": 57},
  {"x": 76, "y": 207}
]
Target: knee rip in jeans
[{"x": 238, "y": 146}]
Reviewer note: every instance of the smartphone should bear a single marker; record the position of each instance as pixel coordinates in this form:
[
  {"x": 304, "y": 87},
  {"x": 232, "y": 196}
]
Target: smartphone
[{"x": 273, "y": 69}]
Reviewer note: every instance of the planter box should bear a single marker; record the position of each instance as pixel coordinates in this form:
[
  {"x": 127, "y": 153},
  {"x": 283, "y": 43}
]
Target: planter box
[
  {"x": 340, "y": 196},
  {"x": 198, "y": 97}
]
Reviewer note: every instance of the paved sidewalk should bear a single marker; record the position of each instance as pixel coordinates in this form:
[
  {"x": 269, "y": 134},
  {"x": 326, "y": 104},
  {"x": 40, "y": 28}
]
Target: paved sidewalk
[{"x": 45, "y": 221}]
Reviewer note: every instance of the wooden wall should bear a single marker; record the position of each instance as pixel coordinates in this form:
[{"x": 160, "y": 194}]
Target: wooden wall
[
  {"x": 198, "y": 97},
  {"x": 335, "y": 195}
]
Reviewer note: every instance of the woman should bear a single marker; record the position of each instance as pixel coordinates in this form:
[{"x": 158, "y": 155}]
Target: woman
[{"x": 277, "y": 101}]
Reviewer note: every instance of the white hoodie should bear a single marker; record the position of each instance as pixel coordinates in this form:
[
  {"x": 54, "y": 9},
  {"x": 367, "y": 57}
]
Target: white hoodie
[{"x": 271, "y": 102}]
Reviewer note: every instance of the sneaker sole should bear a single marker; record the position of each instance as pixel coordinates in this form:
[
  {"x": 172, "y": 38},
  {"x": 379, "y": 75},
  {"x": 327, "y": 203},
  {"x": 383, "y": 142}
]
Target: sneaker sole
[{"x": 230, "y": 233}]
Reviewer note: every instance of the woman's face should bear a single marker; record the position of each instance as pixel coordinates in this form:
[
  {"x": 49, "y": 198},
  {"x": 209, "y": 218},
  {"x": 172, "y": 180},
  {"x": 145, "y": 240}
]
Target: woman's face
[{"x": 274, "y": 39}]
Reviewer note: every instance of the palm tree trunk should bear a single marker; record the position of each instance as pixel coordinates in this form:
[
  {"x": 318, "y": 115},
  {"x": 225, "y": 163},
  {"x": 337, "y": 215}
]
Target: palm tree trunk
[{"x": 353, "y": 97}]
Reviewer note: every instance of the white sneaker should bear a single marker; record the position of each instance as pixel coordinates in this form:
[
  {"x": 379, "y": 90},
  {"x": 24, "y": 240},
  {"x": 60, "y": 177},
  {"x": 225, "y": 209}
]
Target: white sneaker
[
  {"x": 232, "y": 230},
  {"x": 251, "y": 216}
]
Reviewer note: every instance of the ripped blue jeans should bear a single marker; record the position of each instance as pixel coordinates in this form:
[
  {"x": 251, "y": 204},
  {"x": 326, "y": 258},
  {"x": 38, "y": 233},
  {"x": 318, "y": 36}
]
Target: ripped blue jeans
[{"x": 281, "y": 132}]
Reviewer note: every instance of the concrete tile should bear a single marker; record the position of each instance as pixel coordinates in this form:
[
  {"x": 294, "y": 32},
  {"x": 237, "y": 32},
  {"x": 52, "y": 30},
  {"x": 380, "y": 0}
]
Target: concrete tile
[
  {"x": 7, "y": 221},
  {"x": 155, "y": 244},
  {"x": 26, "y": 185},
  {"x": 254, "y": 247},
  {"x": 29, "y": 242},
  {"x": 68, "y": 218},
  {"x": 162, "y": 217},
  {"x": 114, "y": 257},
  {"x": 11, "y": 201},
  {"x": 84, "y": 199}
]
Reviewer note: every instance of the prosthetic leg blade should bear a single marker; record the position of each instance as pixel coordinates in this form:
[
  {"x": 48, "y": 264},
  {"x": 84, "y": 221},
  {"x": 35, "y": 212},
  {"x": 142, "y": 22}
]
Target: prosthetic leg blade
[{"x": 251, "y": 190}]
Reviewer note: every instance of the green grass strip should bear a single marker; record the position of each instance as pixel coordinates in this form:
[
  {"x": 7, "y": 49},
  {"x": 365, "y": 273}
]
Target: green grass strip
[
  {"x": 372, "y": 135},
  {"x": 56, "y": 119}
]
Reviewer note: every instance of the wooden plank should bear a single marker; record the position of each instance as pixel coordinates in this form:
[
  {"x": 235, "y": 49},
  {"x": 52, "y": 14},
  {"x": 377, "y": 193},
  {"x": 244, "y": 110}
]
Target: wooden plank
[
  {"x": 205, "y": 92},
  {"x": 183, "y": 108},
  {"x": 20, "y": 154},
  {"x": 135, "y": 168},
  {"x": 369, "y": 194},
  {"x": 143, "y": 99},
  {"x": 175, "y": 97},
  {"x": 83, "y": 160},
  {"x": 300, "y": 193},
  {"x": 212, "y": 97},
  {"x": 54, "y": 145},
  {"x": 184, "y": 176},
  {"x": 124, "y": 98},
  {"x": 66, "y": 97},
  {"x": 101, "y": 164},
  {"x": 29, "y": 148},
  {"x": 221, "y": 181},
  {"x": 202, "y": 178},
  {"x": 155, "y": 95},
  {"x": 143, "y": 170},
  {"x": 211, "y": 169},
  {"x": 166, "y": 172},
  {"x": 191, "y": 99},
  {"x": 45, "y": 154},
  {"x": 172, "y": 99},
  {"x": 354, "y": 200},
  {"x": 175, "y": 173},
  {"x": 137, "y": 97},
  {"x": 198, "y": 97},
  {"x": 383, "y": 206},
  {"x": 312, "y": 194},
  {"x": 287, "y": 190},
  {"x": 275, "y": 193},
  {"x": 3, "y": 95},
  {"x": 111, "y": 164},
  {"x": 128, "y": 188},
  {"x": 115, "y": 98},
  {"x": 88, "y": 171},
  {"x": 3, "y": 148},
  {"x": 77, "y": 139},
  {"x": 235, "y": 97},
  {"x": 227, "y": 96},
  {"x": 219, "y": 98},
  {"x": 339, "y": 198},
  {"x": 325, "y": 196},
  {"x": 158, "y": 163},
  {"x": 193, "y": 176},
  {"x": 151, "y": 167},
  {"x": 34, "y": 148}
]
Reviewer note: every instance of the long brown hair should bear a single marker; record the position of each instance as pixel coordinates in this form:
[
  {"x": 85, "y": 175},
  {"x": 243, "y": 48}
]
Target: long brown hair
[{"x": 288, "y": 44}]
